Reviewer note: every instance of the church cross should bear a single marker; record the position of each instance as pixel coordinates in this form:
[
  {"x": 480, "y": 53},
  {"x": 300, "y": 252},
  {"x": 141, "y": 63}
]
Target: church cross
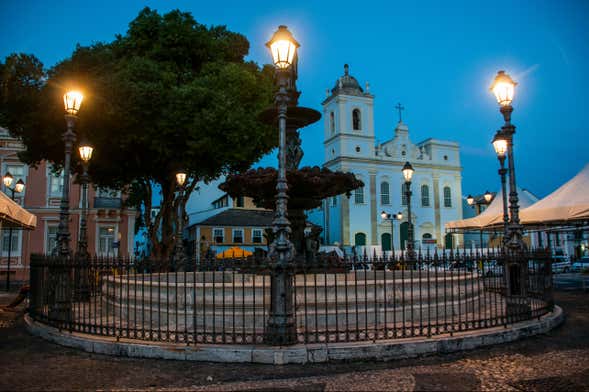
[{"x": 400, "y": 107}]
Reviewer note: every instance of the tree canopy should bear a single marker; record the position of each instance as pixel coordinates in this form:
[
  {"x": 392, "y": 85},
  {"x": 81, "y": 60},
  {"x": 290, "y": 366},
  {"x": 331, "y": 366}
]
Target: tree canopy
[{"x": 169, "y": 94}]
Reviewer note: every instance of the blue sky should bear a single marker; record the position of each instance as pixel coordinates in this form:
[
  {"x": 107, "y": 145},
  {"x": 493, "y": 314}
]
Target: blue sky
[{"x": 436, "y": 58}]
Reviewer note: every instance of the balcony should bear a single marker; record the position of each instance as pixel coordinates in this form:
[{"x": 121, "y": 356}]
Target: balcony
[{"x": 107, "y": 202}]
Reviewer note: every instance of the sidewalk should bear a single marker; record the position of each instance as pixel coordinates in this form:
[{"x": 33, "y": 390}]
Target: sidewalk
[{"x": 556, "y": 361}]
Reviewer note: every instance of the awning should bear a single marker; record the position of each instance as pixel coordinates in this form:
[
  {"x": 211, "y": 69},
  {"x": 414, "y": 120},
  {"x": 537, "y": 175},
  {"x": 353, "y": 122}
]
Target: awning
[
  {"x": 11, "y": 214},
  {"x": 568, "y": 204},
  {"x": 234, "y": 252}
]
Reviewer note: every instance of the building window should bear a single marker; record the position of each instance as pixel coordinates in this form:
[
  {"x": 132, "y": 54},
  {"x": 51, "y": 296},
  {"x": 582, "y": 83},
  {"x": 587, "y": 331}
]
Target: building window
[
  {"x": 220, "y": 203},
  {"x": 426, "y": 236},
  {"x": 51, "y": 240},
  {"x": 237, "y": 236},
  {"x": 425, "y": 196},
  {"x": 218, "y": 236},
  {"x": 239, "y": 201},
  {"x": 14, "y": 246},
  {"x": 447, "y": 197},
  {"x": 334, "y": 201},
  {"x": 385, "y": 196},
  {"x": 106, "y": 238},
  {"x": 55, "y": 181},
  {"x": 359, "y": 195},
  {"x": 360, "y": 239},
  {"x": 257, "y": 236},
  {"x": 108, "y": 193},
  {"x": 332, "y": 122},
  {"x": 356, "y": 122},
  {"x": 385, "y": 241},
  {"x": 404, "y": 194}
]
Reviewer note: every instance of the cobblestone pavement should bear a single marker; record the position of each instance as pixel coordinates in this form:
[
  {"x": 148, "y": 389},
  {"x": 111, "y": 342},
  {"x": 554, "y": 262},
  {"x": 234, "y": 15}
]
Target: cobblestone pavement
[{"x": 558, "y": 360}]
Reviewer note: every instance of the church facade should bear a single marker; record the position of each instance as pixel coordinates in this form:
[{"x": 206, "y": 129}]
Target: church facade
[{"x": 350, "y": 146}]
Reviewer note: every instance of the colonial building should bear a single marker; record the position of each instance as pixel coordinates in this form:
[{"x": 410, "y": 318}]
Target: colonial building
[
  {"x": 350, "y": 146},
  {"x": 110, "y": 226}
]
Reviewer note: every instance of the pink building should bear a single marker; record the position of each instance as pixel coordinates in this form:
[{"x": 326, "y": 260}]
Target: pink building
[{"x": 110, "y": 227}]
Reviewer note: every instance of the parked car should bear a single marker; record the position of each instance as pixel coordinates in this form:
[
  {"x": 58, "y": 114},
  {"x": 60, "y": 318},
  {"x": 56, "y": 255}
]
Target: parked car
[
  {"x": 580, "y": 265},
  {"x": 561, "y": 264}
]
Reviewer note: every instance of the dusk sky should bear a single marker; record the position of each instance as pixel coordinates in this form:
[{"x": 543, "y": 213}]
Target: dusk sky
[{"x": 437, "y": 58}]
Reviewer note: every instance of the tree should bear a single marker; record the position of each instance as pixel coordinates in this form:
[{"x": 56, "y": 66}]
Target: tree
[{"x": 170, "y": 94}]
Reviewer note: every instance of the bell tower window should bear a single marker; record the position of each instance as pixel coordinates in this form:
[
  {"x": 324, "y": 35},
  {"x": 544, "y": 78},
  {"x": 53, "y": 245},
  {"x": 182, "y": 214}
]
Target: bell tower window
[
  {"x": 332, "y": 122},
  {"x": 356, "y": 121}
]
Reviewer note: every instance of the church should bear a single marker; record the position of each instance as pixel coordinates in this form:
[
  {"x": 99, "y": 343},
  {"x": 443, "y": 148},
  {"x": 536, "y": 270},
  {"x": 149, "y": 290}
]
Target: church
[{"x": 350, "y": 146}]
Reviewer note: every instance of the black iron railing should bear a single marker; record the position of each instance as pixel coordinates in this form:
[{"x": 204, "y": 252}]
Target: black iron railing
[{"x": 335, "y": 299}]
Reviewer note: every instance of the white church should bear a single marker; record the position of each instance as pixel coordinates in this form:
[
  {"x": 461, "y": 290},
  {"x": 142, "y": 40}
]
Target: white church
[{"x": 350, "y": 146}]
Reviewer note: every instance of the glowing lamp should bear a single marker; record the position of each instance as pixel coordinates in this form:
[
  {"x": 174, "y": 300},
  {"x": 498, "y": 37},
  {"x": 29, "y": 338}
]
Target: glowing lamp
[
  {"x": 86, "y": 152},
  {"x": 500, "y": 145},
  {"x": 399, "y": 215},
  {"x": 283, "y": 47},
  {"x": 384, "y": 215},
  {"x": 407, "y": 171},
  {"x": 7, "y": 179},
  {"x": 504, "y": 88},
  {"x": 181, "y": 178},
  {"x": 488, "y": 196},
  {"x": 470, "y": 200},
  {"x": 72, "y": 101},
  {"x": 19, "y": 186}
]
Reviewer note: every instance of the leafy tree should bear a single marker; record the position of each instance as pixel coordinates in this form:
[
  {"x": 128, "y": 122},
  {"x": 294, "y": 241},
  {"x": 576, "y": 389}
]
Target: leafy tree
[{"x": 169, "y": 94}]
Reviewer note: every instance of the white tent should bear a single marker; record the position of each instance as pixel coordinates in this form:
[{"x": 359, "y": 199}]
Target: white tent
[
  {"x": 567, "y": 204},
  {"x": 493, "y": 215},
  {"x": 11, "y": 214}
]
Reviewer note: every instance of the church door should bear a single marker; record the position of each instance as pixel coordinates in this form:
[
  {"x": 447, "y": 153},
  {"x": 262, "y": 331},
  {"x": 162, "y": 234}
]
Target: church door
[
  {"x": 449, "y": 241},
  {"x": 385, "y": 241},
  {"x": 360, "y": 239},
  {"x": 404, "y": 228}
]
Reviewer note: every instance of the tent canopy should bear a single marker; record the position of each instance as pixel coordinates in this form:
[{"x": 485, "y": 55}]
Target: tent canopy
[
  {"x": 234, "y": 252},
  {"x": 567, "y": 204},
  {"x": 493, "y": 215},
  {"x": 11, "y": 214}
]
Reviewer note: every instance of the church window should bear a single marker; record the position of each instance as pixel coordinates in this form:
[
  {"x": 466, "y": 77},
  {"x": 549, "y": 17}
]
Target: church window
[
  {"x": 403, "y": 153},
  {"x": 357, "y": 148},
  {"x": 427, "y": 236},
  {"x": 447, "y": 197},
  {"x": 403, "y": 194},
  {"x": 359, "y": 195},
  {"x": 385, "y": 196},
  {"x": 445, "y": 157},
  {"x": 360, "y": 239},
  {"x": 356, "y": 120},
  {"x": 332, "y": 122},
  {"x": 425, "y": 196}
]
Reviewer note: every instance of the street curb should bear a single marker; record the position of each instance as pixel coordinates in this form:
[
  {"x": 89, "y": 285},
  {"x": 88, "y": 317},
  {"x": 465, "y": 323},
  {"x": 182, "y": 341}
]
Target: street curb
[{"x": 382, "y": 350}]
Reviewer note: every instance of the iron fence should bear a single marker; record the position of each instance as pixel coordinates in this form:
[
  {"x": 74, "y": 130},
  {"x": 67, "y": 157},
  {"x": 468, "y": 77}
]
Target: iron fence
[{"x": 335, "y": 299}]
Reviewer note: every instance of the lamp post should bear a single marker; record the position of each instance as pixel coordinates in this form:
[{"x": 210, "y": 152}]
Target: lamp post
[
  {"x": 72, "y": 101},
  {"x": 392, "y": 218},
  {"x": 500, "y": 146},
  {"x": 179, "y": 253},
  {"x": 407, "y": 174},
  {"x": 85, "y": 151},
  {"x": 281, "y": 328},
  {"x": 18, "y": 187},
  {"x": 476, "y": 204}
]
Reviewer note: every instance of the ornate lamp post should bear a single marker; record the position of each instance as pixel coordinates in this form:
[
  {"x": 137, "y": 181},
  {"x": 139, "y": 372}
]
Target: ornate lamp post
[
  {"x": 179, "y": 253},
  {"x": 18, "y": 187},
  {"x": 500, "y": 146},
  {"x": 72, "y": 101},
  {"x": 85, "y": 151},
  {"x": 476, "y": 204},
  {"x": 407, "y": 174},
  {"x": 281, "y": 327},
  {"x": 392, "y": 218}
]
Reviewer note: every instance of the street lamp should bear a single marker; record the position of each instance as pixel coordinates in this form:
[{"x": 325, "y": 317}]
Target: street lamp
[
  {"x": 85, "y": 149},
  {"x": 503, "y": 88},
  {"x": 392, "y": 218},
  {"x": 500, "y": 145},
  {"x": 72, "y": 101},
  {"x": 470, "y": 200},
  {"x": 281, "y": 327},
  {"x": 488, "y": 197},
  {"x": 179, "y": 253},
  {"x": 408, "y": 171},
  {"x": 18, "y": 187}
]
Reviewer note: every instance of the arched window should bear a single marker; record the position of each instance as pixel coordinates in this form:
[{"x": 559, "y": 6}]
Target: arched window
[
  {"x": 385, "y": 196},
  {"x": 360, "y": 239},
  {"x": 425, "y": 196},
  {"x": 356, "y": 122},
  {"x": 359, "y": 195},
  {"x": 447, "y": 197},
  {"x": 426, "y": 236},
  {"x": 403, "y": 194},
  {"x": 385, "y": 241},
  {"x": 332, "y": 122}
]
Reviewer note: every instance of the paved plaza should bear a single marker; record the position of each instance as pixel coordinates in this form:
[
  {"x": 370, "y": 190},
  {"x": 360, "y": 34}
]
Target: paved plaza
[{"x": 556, "y": 361}]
